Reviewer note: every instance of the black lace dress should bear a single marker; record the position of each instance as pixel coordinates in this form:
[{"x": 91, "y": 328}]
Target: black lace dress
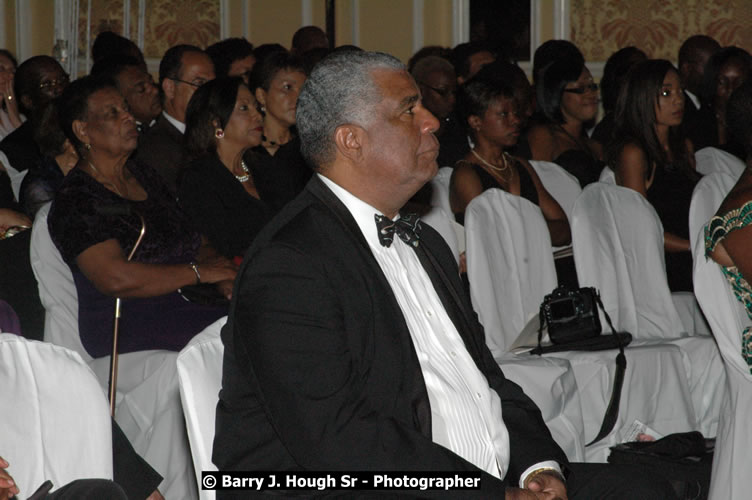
[{"x": 76, "y": 223}]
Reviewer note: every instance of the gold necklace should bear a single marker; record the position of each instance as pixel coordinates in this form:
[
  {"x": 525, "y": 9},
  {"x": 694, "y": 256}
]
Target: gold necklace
[
  {"x": 109, "y": 183},
  {"x": 491, "y": 165}
]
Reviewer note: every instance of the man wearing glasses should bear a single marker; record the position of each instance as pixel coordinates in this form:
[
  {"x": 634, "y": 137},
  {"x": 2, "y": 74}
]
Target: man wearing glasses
[{"x": 183, "y": 69}]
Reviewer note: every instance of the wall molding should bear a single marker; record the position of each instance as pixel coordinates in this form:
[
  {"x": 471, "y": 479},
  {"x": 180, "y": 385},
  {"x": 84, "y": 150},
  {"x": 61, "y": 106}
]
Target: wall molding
[
  {"x": 23, "y": 31},
  {"x": 355, "y": 22},
  {"x": 224, "y": 19},
  {"x": 418, "y": 28},
  {"x": 562, "y": 28},
  {"x": 246, "y": 21},
  {"x": 306, "y": 13},
  {"x": 460, "y": 22}
]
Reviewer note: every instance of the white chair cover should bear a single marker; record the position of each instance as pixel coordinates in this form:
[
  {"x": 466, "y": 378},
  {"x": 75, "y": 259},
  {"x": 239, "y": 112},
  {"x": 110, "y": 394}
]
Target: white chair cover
[
  {"x": 607, "y": 176},
  {"x": 665, "y": 406},
  {"x": 444, "y": 223},
  {"x": 148, "y": 401},
  {"x": 706, "y": 199},
  {"x": 200, "y": 375},
  {"x": 55, "y": 421},
  {"x": 710, "y": 160},
  {"x": 551, "y": 384},
  {"x": 16, "y": 177},
  {"x": 563, "y": 186},
  {"x": 727, "y": 318},
  {"x": 510, "y": 265},
  {"x": 618, "y": 248},
  {"x": 440, "y": 189}
]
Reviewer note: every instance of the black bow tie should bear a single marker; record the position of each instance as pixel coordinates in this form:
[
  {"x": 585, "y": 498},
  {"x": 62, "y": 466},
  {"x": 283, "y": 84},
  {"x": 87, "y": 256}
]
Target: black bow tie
[{"x": 407, "y": 228}]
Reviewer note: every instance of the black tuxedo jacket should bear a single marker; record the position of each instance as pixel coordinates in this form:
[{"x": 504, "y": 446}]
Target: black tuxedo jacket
[
  {"x": 162, "y": 147},
  {"x": 320, "y": 372}
]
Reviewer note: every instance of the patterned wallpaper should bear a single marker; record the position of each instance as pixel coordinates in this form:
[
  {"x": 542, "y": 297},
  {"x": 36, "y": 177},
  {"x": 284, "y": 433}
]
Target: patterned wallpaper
[
  {"x": 600, "y": 27},
  {"x": 167, "y": 23}
]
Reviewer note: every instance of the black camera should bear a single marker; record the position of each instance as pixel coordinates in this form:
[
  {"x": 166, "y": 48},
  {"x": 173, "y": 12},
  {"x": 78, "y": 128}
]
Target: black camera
[{"x": 571, "y": 314}]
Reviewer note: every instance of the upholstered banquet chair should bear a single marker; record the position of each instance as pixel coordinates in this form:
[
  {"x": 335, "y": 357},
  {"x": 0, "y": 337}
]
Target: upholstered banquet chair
[
  {"x": 618, "y": 248},
  {"x": 148, "y": 405},
  {"x": 55, "y": 421},
  {"x": 200, "y": 376}
]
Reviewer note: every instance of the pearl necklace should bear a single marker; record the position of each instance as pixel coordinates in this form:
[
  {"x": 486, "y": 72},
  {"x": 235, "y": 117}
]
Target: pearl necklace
[
  {"x": 246, "y": 176},
  {"x": 491, "y": 165}
]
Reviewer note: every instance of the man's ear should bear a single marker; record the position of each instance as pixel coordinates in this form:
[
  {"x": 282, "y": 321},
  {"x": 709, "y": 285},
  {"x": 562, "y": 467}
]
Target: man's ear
[
  {"x": 261, "y": 96},
  {"x": 80, "y": 129},
  {"x": 26, "y": 101},
  {"x": 168, "y": 87},
  {"x": 474, "y": 122},
  {"x": 349, "y": 141}
]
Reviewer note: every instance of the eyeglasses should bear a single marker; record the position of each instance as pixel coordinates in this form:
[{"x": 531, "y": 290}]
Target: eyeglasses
[
  {"x": 198, "y": 82},
  {"x": 58, "y": 82},
  {"x": 442, "y": 92},
  {"x": 590, "y": 87}
]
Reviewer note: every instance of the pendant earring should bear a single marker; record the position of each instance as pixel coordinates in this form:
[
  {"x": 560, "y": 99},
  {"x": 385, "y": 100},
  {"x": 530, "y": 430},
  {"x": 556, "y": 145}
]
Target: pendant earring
[
  {"x": 219, "y": 133},
  {"x": 262, "y": 108}
]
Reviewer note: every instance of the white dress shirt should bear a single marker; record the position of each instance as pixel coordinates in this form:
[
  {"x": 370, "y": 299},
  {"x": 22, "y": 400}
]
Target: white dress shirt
[
  {"x": 175, "y": 122},
  {"x": 465, "y": 412},
  {"x": 695, "y": 100}
]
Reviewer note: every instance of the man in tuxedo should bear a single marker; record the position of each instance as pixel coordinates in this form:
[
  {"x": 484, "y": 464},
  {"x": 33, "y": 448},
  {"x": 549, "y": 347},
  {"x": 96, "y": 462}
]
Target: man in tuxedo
[
  {"x": 694, "y": 55},
  {"x": 182, "y": 70},
  {"x": 350, "y": 343}
]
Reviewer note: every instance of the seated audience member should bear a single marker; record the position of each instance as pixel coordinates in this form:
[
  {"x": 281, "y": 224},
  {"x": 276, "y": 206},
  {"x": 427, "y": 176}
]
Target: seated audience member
[
  {"x": 183, "y": 69},
  {"x": 10, "y": 117},
  {"x": 468, "y": 58},
  {"x": 726, "y": 70},
  {"x": 568, "y": 99},
  {"x": 109, "y": 44},
  {"x": 487, "y": 104},
  {"x": 330, "y": 362},
  {"x": 276, "y": 83},
  {"x": 438, "y": 88},
  {"x": 309, "y": 38},
  {"x": 694, "y": 55},
  {"x": 551, "y": 51},
  {"x": 38, "y": 80},
  {"x": 95, "y": 221},
  {"x": 650, "y": 154},
  {"x": 232, "y": 57},
  {"x": 429, "y": 50},
  {"x": 136, "y": 85},
  {"x": 218, "y": 189},
  {"x": 58, "y": 158},
  {"x": 261, "y": 52},
  {"x": 727, "y": 237},
  {"x": 614, "y": 73}
]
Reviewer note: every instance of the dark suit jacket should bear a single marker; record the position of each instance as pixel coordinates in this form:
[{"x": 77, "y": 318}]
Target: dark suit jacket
[
  {"x": 163, "y": 149},
  {"x": 320, "y": 372},
  {"x": 219, "y": 207},
  {"x": 20, "y": 148}
]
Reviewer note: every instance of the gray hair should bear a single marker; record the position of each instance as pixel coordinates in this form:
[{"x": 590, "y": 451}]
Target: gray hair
[{"x": 340, "y": 90}]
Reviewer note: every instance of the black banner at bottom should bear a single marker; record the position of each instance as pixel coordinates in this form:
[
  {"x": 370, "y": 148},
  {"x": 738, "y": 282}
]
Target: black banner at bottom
[{"x": 304, "y": 480}]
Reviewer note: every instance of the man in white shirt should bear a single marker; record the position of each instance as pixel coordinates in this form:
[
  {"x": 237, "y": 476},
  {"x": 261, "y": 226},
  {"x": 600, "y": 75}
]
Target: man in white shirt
[
  {"x": 183, "y": 69},
  {"x": 350, "y": 343}
]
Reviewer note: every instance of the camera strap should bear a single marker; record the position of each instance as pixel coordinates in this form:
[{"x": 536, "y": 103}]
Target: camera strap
[{"x": 617, "y": 340}]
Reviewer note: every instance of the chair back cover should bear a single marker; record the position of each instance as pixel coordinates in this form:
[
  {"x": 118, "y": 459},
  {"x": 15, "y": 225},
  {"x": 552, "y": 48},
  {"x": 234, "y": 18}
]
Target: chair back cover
[
  {"x": 563, "y": 186},
  {"x": 618, "y": 248},
  {"x": 728, "y": 319},
  {"x": 710, "y": 160},
  {"x": 57, "y": 291},
  {"x": 444, "y": 223},
  {"x": 510, "y": 264},
  {"x": 200, "y": 375},
  {"x": 607, "y": 176},
  {"x": 55, "y": 421},
  {"x": 440, "y": 189},
  {"x": 706, "y": 199}
]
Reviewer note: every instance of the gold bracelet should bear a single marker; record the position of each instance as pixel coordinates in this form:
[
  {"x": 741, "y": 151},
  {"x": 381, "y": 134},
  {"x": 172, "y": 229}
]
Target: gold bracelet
[
  {"x": 537, "y": 472},
  {"x": 194, "y": 266}
]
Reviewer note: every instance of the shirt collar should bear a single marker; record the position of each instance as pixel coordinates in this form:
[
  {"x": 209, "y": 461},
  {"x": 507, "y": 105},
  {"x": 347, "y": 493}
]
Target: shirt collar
[
  {"x": 175, "y": 122},
  {"x": 695, "y": 100},
  {"x": 362, "y": 212}
]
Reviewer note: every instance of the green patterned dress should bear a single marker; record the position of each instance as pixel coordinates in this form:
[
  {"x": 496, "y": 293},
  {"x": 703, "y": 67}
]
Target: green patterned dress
[{"x": 716, "y": 230}]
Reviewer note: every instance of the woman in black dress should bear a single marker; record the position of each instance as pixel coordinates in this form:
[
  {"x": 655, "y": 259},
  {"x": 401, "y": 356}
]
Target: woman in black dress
[
  {"x": 651, "y": 155},
  {"x": 218, "y": 189}
]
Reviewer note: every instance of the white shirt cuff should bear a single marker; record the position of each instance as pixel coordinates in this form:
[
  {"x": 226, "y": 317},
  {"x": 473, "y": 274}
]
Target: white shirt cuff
[{"x": 548, "y": 464}]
